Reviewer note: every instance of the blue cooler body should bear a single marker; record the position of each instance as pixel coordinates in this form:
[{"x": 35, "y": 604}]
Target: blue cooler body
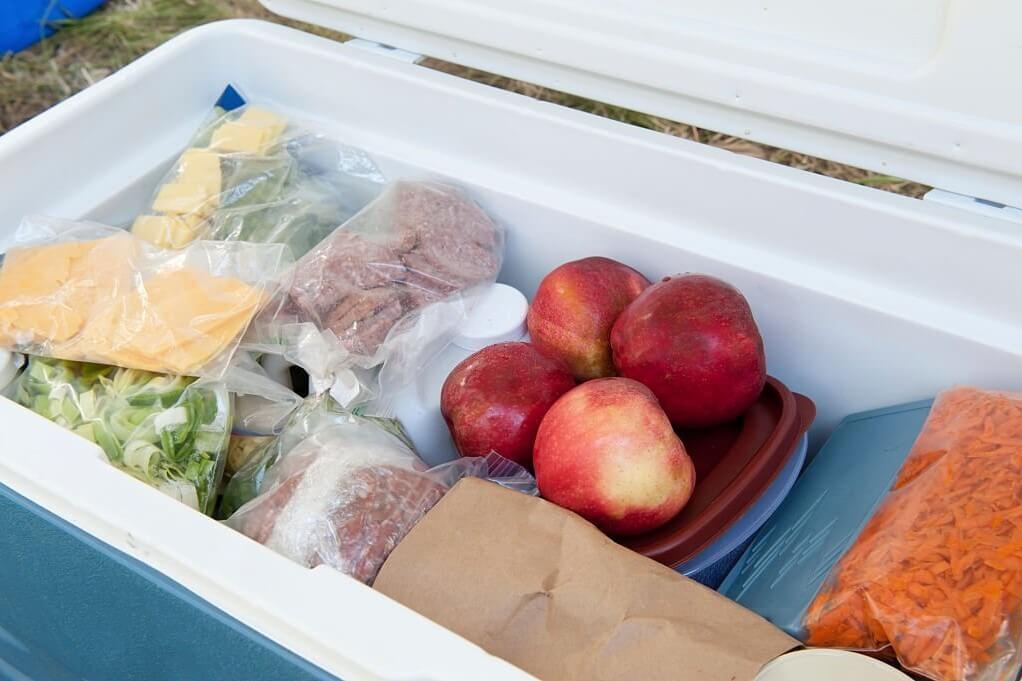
[
  {"x": 104, "y": 579},
  {"x": 83, "y": 610}
]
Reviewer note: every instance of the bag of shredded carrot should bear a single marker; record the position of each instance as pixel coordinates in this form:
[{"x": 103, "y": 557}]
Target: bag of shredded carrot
[{"x": 936, "y": 574}]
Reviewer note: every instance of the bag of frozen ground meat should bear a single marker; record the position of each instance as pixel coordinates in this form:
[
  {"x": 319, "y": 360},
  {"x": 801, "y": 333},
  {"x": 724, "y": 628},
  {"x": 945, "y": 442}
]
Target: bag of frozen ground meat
[
  {"x": 386, "y": 288},
  {"x": 348, "y": 493},
  {"x": 252, "y": 175},
  {"x": 170, "y": 432}
]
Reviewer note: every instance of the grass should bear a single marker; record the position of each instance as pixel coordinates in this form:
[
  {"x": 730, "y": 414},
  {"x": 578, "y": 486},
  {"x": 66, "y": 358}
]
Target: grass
[{"x": 87, "y": 50}]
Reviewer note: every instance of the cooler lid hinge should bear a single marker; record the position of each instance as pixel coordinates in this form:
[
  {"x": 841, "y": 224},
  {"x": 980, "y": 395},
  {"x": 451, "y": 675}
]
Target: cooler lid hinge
[
  {"x": 385, "y": 50},
  {"x": 981, "y": 206}
]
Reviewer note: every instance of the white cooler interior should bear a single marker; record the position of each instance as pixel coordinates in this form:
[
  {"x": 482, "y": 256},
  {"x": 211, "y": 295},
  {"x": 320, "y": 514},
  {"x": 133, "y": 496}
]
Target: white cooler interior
[{"x": 865, "y": 299}]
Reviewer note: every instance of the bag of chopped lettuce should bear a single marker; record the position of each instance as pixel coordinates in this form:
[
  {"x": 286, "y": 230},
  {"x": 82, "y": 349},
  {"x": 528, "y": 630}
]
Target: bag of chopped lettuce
[{"x": 170, "y": 432}]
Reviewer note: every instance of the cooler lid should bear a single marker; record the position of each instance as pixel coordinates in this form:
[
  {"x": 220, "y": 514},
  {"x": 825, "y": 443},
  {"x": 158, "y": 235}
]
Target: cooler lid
[{"x": 926, "y": 90}]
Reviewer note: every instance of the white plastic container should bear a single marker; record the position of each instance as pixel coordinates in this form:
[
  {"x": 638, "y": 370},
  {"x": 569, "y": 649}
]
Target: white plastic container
[
  {"x": 864, "y": 298},
  {"x": 497, "y": 317},
  {"x": 829, "y": 665}
]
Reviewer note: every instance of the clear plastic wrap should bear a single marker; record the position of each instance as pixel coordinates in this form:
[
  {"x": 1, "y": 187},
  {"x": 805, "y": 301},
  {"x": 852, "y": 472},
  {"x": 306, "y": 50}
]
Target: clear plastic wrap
[
  {"x": 87, "y": 292},
  {"x": 171, "y": 432},
  {"x": 310, "y": 416},
  {"x": 262, "y": 407},
  {"x": 388, "y": 287},
  {"x": 252, "y": 175},
  {"x": 935, "y": 576},
  {"x": 347, "y": 494}
]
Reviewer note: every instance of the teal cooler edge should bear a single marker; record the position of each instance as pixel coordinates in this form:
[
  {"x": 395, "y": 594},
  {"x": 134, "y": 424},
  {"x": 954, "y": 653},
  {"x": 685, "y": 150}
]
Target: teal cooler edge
[{"x": 73, "y": 607}]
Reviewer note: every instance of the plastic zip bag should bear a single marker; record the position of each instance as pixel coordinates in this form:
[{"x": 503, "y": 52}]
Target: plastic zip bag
[
  {"x": 170, "y": 432},
  {"x": 387, "y": 288},
  {"x": 252, "y": 175},
  {"x": 347, "y": 494},
  {"x": 88, "y": 292},
  {"x": 310, "y": 416},
  {"x": 262, "y": 407},
  {"x": 935, "y": 576}
]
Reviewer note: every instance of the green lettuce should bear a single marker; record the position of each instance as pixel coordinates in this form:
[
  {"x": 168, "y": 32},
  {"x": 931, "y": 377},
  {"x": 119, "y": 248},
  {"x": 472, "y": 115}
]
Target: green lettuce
[{"x": 168, "y": 431}]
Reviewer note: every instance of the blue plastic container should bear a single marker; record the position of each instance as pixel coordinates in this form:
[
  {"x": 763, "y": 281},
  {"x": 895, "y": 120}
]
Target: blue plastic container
[
  {"x": 782, "y": 570},
  {"x": 26, "y": 22},
  {"x": 713, "y": 564}
]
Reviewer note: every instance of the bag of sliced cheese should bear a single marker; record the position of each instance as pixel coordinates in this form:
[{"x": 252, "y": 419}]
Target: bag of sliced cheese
[
  {"x": 88, "y": 292},
  {"x": 252, "y": 175}
]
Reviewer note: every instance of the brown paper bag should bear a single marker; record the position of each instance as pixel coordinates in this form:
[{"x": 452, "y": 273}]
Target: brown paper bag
[{"x": 547, "y": 591}]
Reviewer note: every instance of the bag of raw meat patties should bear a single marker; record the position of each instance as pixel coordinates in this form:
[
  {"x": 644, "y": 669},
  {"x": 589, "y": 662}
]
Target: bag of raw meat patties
[{"x": 387, "y": 288}]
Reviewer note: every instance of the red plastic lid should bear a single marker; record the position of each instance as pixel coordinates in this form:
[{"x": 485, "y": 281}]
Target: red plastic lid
[{"x": 735, "y": 463}]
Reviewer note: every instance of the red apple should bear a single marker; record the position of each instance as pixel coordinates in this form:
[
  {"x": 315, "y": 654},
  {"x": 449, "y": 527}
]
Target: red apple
[
  {"x": 607, "y": 451},
  {"x": 692, "y": 340},
  {"x": 574, "y": 309},
  {"x": 495, "y": 399}
]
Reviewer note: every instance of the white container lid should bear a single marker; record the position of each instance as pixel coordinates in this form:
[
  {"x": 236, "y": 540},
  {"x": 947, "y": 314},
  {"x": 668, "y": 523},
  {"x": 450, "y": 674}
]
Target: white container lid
[
  {"x": 497, "y": 317},
  {"x": 921, "y": 89},
  {"x": 819, "y": 664}
]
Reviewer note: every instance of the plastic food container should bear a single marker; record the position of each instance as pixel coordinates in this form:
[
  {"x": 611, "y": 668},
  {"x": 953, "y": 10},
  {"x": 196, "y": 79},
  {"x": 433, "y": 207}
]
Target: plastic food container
[
  {"x": 780, "y": 573},
  {"x": 736, "y": 465},
  {"x": 497, "y": 317},
  {"x": 829, "y": 665},
  {"x": 711, "y": 565},
  {"x": 850, "y": 286}
]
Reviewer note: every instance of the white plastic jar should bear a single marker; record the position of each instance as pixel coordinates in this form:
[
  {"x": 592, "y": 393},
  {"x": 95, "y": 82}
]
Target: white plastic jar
[
  {"x": 818, "y": 664},
  {"x": 498, "y": 317}
]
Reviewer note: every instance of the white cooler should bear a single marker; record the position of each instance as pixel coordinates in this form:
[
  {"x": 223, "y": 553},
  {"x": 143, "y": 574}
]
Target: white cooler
[{"x": 864, "y": 298}]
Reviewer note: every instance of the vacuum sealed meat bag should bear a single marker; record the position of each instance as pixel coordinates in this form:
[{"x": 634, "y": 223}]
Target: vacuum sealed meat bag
[
  {"x": 347, "y": 493},
  {"x": 935, "y": 576},
  {"x": 390, "y": 284},
  {"x": 87, "y": 292},
  {"x": 252, "y": 175},
  {"x": 170, "y": 432}
]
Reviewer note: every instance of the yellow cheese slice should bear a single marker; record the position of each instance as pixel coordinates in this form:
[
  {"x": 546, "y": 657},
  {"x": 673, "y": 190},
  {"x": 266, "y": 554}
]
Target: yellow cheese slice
[
  {"x": 178, "y": 198},
  {"x": 200, "y": 167},
  {"x": 47, "y": 292},
  {"x": 177, "y": 322},
  {"x": 167, "y": 231},
  {"x": 258, "y": 117},
  {"x": 254, "y": 132},
  {"x": 235, "y": 137},
  {"x": 191, "y": 302}
]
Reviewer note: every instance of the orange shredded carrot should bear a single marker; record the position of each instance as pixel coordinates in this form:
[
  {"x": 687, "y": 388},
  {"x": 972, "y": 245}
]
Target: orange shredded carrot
[{"x": 936, "y": 574}]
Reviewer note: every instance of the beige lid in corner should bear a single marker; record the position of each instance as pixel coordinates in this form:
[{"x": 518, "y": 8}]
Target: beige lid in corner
[{"x": 831, "y": 665}]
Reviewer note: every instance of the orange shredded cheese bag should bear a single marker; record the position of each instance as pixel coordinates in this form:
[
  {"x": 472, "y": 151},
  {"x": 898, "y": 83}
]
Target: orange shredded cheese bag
[{"x": 935, "y": 576}]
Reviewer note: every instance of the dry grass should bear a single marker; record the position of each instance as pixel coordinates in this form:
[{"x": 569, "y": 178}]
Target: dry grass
[{"x": 87, "y": 50}]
